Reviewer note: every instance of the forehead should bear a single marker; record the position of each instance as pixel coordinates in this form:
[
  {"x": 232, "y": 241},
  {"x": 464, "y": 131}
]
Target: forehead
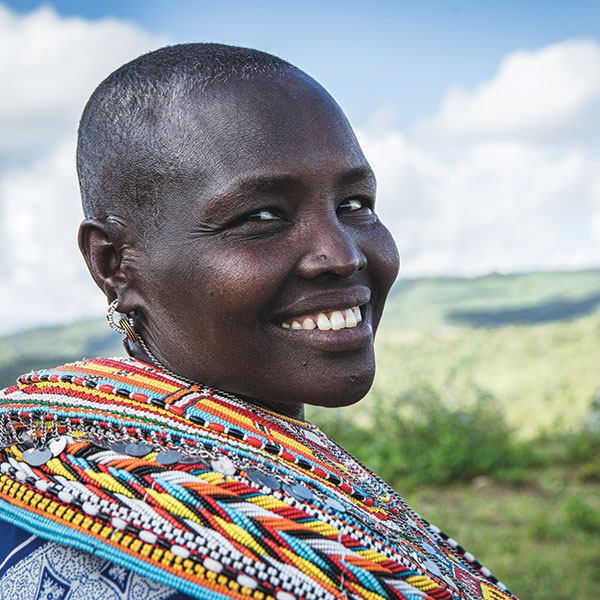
[{"x": 280, "y": 124}]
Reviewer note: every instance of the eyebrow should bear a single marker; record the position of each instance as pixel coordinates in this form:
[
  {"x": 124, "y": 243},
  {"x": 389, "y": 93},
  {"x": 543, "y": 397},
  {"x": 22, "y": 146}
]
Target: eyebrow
[
  {"x": 358, "y": 174},
  {"x": 267, "y": 183},
  {"x": 261, "y": 183},
  {"x": 239, "y": 196}
]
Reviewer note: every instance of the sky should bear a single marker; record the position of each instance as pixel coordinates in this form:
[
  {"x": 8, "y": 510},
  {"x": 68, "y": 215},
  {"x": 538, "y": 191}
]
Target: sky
[{"x": 480, "y": 119}]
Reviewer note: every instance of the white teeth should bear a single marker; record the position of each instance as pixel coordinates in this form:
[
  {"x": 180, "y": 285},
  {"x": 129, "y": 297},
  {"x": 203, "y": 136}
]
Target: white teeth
[
  {"x": 337, "y": 320},
  {"x": 350, "y": 318},
  {"x": 323, "y": 322}
]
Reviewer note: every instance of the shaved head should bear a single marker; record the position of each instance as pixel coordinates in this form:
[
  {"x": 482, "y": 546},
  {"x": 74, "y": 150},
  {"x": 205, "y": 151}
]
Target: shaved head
[{"x": 133, "y": 135}]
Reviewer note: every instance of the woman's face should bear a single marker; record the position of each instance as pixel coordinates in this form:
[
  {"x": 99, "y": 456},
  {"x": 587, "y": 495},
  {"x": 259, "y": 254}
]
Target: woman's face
[{"x": 269, "y": 251}]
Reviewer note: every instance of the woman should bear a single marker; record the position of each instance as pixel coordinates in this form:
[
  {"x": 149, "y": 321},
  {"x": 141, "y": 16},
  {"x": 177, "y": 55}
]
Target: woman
[{"x": 230, "y": 222}]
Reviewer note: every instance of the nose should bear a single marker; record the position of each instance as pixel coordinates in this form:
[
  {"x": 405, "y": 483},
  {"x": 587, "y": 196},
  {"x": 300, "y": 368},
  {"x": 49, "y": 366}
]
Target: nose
[{"x": 330, "y": 250}]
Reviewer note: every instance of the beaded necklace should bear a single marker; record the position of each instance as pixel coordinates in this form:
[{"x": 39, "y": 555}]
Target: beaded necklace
[{"x": 212, "y": 496}]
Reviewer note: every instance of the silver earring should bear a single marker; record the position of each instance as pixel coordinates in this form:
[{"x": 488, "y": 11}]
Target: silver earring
[
  {"x": 120, "y": 322},
  {"x": 124, "y": 325}
]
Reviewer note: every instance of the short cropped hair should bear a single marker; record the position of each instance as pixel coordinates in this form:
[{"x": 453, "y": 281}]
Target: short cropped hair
[{"x": 123, "y": 152}]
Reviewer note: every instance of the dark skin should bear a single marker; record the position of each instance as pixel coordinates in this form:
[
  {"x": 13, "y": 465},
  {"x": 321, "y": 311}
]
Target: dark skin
[{"x": 272, "y": 220}]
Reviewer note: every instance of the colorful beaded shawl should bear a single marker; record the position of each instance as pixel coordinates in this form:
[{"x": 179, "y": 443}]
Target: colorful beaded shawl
[{"x": 219, "y": 499}]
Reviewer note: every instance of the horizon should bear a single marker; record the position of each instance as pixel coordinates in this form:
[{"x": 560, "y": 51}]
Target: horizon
[{"x": 398, "y": 283}]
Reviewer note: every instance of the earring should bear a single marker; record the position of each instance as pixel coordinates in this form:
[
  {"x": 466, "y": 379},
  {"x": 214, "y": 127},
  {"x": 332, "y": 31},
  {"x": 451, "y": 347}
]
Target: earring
[
  {"x": 124, "y": 325},
  {"x": 119, "y": 322}
]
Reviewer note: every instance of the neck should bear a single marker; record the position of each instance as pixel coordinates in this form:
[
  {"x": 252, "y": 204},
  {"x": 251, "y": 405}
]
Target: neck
[{"x": 291, "y": 410}]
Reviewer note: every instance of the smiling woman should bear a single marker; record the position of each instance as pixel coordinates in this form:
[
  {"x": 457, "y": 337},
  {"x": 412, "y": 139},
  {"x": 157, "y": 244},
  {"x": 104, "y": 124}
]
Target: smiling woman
[
  {"x": 240, "y": 252},
  {"x": 230, "y": 222}
]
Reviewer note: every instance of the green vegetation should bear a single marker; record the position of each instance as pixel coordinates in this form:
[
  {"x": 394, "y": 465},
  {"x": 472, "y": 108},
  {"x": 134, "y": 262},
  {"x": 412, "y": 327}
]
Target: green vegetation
[
  {"x": 417, "y": 438},
  {"x": 529, "y": 509},
  {"x": 480, "y": 415},
  {"x": 51, "y": 346},
  {"x": 427, "y": 304},
  {"x": 543, "y": 375},
  {"x": 535, "y": 536}
]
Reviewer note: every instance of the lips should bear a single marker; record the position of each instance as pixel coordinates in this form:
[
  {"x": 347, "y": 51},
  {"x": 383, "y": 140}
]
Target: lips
[
  {"x": 324, "y": 304},
  {"x": 342, "y": 318},
  {"x": 333, "y": 320}
]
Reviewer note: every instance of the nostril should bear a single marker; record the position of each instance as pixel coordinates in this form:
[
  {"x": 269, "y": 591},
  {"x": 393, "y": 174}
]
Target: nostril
[{"x": 332, "y": 253}]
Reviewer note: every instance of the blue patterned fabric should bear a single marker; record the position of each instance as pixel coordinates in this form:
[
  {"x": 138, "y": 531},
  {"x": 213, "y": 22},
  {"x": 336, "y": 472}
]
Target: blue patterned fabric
[{"x": 32, "y": 568}]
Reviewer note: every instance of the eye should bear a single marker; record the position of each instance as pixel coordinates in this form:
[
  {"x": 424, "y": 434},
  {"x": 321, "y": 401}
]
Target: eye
[
  {"x": 262, "y": 215},
  {"x": 354, "y": 204}
]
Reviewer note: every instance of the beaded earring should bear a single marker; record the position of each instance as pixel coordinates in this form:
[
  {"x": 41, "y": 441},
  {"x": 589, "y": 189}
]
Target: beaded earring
[{"x": 122, "y": 325}]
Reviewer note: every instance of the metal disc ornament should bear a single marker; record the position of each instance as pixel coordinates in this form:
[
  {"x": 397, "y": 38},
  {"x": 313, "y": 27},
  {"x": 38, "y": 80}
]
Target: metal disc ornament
[
  {"x": 335, "y": 504},
  {"x": 223, "y": 465},
  {"x": 138, "y": 450},
  {"x": 432, "y": 567},
  {"x": 37, "y": 457},
  {"x": 119, "y": 447},
  {"x": 195, "y": 459},
  {"x": 263, "y": 479},
  {"x": 298, "y": 491},
  {"x": 58, "y": 445},
  {"x": 168, "y": 457},
  {"x": 24, "y": 437},
  {"x": 25, "y": 441}
]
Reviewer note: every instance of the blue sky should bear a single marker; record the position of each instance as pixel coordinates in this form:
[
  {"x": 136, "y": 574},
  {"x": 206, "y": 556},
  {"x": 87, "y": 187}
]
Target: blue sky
[
  {"x": 397, "y": 55},
  {"x": 480, "y": 119}
]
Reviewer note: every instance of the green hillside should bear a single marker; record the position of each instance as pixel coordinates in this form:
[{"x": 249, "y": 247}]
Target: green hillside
[
  {"x": 530, "y": 341},
  {"x": 426, "y": 304},
  {"x": 50, "y": 346}
]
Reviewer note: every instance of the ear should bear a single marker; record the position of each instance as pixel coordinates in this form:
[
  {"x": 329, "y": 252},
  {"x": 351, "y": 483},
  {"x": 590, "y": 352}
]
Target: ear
[{"x": 103, "y": 244}]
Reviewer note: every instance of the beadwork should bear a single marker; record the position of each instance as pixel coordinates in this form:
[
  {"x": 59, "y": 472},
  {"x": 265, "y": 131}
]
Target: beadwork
[{"x": 209, "y": 495}]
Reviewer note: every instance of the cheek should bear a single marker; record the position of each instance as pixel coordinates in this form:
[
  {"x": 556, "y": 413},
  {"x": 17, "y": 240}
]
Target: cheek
[
  {"x": 239, "y": 289},
  {"x": 384, "y": 259}
]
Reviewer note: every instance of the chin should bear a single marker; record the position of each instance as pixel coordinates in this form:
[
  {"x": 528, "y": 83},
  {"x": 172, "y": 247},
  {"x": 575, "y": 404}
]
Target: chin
[
  {"x": 337, "y": 391},
  {"x": 333, "y": 381}
]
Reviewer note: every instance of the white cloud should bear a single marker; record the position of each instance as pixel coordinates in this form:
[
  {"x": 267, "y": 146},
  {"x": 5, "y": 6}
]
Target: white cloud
[
  {"x": 49, "y": 65},
  {"x": 44, "y": 279},
  {"x": 48, "y": 69},
  {"x": 552, "y": 94},
  {"x": 503, "y": 178}
]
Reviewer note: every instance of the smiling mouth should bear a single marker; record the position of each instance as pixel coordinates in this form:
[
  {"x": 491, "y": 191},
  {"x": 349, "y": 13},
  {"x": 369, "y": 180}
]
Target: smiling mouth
[{"x": 345, "y": 318}]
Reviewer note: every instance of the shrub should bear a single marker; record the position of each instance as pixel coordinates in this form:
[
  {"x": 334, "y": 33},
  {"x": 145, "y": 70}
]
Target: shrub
[
  {"x": 542, "y": 528},
  {"x": 580, "y": 450},
  {"x": 417, "y": 438},
  {"x": 581, "y": 515}
]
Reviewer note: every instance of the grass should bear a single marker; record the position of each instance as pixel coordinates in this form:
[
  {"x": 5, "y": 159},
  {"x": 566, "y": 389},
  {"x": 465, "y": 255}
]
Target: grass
[
  {"x": 419, "y": 438},
  {"x": 540, "y": 538},
  {"x": 528, "y": 509}
]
